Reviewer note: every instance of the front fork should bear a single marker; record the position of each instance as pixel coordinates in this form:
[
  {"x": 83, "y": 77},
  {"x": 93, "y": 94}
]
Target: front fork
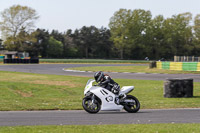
[{"x": 93, "y": 98}]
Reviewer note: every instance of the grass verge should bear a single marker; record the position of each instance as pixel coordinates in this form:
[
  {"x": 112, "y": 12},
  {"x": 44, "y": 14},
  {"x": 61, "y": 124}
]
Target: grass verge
[
  {"x": 25, "y": 91},
  {"x": 90, "y": 61},
  {"x": 132, "y": 69},
  {"x": 130, "y": 128}
]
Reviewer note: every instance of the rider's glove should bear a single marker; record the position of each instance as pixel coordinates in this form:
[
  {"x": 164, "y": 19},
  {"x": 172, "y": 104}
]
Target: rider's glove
[{"x": 100, "y": 84}]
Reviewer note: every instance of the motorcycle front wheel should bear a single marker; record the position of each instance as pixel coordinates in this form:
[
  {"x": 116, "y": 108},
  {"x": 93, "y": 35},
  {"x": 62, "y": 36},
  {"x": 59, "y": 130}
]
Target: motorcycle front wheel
[
  {"x": 89, "y": 106},
  {"x": 132, "y": 107}
]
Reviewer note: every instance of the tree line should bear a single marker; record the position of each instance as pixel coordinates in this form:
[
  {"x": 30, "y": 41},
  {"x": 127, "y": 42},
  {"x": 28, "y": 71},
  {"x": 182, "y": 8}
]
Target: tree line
[
  {"x": 87, "y": 42},
  {"x": 132, "y": 34}
]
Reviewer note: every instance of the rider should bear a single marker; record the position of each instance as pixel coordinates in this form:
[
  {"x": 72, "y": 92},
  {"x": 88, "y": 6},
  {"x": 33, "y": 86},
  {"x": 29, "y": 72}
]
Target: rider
[{"x": 106, "y": 82}]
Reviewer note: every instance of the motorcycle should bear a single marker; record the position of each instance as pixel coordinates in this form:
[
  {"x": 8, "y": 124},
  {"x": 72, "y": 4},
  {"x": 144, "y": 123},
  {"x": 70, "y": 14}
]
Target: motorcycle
[{"x": 98, "y": 98}]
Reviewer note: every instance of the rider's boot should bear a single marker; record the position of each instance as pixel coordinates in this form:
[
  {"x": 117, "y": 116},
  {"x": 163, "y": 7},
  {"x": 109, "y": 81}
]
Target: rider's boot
[
  {"x": 117, "y": 100},
  {"x": 121, "y": 98}
]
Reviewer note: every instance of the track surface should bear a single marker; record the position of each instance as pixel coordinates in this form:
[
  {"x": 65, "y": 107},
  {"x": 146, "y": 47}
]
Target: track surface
[
  {"x": 13, "y": 118},
  {"x": 57, "y": 69}
]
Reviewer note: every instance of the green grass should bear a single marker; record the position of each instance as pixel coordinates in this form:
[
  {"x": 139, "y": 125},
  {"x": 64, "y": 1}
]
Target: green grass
[
  {"x": 130, "y": 128},
  {"x": 132, "y": 69},
  {"x": 90, "y": 61},
  {"x": 21, "y": 91},
  {"x": 25, "y": 91}
]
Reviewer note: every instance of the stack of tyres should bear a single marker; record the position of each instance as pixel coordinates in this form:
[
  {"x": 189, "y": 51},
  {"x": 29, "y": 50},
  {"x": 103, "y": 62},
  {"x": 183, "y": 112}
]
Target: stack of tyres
[
  {"x": 27, "y": 61},
  {"x": 9, "y": 60},
  {"x": 17, "y": 60},
  {"x": 5, "y": 61},
  {"x": 24, "y": 61},
  {"x": 31, "y": 61},
  {"x": 35, "y": 61},
  {"x": 20, "y": 61}
]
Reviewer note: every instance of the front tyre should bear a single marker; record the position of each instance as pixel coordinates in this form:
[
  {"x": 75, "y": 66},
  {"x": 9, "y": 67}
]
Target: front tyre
[
  {"x": 132, "y": 107},
  {"x": 89, "y": 106}
]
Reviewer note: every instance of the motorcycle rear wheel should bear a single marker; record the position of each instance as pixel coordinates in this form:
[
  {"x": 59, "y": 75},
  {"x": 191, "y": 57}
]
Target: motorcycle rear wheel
[
  {"x": 89, "y": 106},
  {"x": 132, "y": 108}
]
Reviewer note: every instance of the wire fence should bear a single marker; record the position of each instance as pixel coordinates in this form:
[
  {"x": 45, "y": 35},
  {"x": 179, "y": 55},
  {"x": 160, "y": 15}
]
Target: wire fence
[{"x": 186, "y": 59}]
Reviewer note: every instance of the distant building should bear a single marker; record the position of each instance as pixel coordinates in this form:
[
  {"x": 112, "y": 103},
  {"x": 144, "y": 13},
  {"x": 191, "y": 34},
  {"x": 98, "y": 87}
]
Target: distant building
[
  {"x": 10, "y": 54},
  {"x": 16, "y": 55}
]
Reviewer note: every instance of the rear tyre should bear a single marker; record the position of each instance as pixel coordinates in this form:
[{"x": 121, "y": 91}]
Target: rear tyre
[
  {"x": 89, "y": 106},
  {"x": 132, "y": 107}
]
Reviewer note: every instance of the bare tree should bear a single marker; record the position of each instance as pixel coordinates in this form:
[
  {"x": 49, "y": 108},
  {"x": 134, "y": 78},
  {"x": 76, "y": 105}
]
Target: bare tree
[{"x": 15, "y": 18}]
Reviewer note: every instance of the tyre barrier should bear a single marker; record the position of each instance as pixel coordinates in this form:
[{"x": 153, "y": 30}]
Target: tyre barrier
[
  {"x": 21, "y": 61},
  {"x": 178, "y": 87},
  {"x": 152, "y": 64},
  {"x": 181, "y": 66}
]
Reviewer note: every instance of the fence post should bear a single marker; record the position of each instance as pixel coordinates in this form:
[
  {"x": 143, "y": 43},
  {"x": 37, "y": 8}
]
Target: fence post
[{"x": 175, "y": 59}]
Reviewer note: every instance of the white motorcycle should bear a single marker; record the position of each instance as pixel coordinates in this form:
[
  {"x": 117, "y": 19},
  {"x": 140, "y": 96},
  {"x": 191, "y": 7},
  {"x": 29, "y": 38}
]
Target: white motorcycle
[{"x": 98, "y": 98}]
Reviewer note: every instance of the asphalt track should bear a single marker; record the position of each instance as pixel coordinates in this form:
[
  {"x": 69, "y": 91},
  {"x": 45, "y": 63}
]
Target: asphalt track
[
  {"x": 14, "y": 118},
  {"x": 57, "y": 69},
  {"x": 78, "y": 117}
]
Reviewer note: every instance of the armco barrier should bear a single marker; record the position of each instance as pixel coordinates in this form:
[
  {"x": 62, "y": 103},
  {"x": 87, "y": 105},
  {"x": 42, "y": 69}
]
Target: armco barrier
[
  {"x": 185, "y": 66},
  {"x": 176, "y": 65},
  {"x": 159, "y": 65},
  {"x": 21, "y": 61},
  {"x": 165, "y": 65},
  {"x": 190, "y": 66},
  {"x": 198, "y": 67}
]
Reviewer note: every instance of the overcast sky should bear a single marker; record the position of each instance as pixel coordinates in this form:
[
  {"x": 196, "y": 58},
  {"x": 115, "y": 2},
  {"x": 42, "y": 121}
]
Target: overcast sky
[{"x": 71, "y": 14}]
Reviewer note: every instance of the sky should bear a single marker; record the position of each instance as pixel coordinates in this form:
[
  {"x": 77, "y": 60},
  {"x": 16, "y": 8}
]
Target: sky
[{"x": 74, "y": 14}]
